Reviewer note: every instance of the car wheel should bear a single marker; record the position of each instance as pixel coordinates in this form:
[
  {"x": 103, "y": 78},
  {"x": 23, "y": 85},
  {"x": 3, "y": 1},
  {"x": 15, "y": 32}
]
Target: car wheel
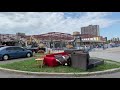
[
  {"x": 28, "y": 54},
  {"x": 5, "y": 57}
]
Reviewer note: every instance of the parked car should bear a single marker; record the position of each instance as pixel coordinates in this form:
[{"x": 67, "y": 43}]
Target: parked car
[
  {"x": 10, "y": 52},
  {"x": 2, "y": 46},
  {"x": 83, "y": 47},
  {"x": 116, "y": 45},
  {"x": 34, "y": 49}
]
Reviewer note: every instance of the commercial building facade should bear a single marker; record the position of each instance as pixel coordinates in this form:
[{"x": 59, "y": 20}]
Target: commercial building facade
[
  {"x": 53, "y": 39},
  {"x": 88, "y": 39}
]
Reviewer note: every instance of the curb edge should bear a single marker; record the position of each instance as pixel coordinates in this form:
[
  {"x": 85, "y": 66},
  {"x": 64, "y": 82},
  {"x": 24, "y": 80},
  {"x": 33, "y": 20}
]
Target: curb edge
[{"x": 61, "y": 74}]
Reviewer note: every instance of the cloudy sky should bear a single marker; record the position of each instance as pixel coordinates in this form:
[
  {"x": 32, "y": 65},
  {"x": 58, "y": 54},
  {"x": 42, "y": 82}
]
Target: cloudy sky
[{"x": 66, "y": 22}]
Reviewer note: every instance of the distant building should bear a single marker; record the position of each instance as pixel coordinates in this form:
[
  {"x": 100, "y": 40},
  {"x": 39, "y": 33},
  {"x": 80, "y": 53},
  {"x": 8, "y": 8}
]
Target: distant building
[
  {"x": 53, "y": 39},
  {"x": 76, "y": 33},
  {"x": 115, "y": 40},
  {"x": 106, "y": 39},
  {"x": 91, "y": 29},
  {"x": 21, "y": 34},
  {"x": 12, "y": 39},
  {"x": 88, "y": 39}
]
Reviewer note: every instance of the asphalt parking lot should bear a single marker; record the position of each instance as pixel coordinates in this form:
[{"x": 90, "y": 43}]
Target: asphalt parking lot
[
  {"x": 110, "y": 53},
  {"x": 14, "y": 60}
]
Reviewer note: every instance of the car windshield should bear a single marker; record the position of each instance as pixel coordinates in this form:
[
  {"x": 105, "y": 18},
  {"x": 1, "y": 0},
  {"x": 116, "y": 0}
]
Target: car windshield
[{"x": 29, "y": 46}]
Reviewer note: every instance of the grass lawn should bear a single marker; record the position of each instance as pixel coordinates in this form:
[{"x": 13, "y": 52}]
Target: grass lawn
[{"x": 31, "y": 65}]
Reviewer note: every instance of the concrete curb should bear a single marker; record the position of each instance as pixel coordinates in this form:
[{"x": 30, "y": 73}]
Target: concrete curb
[{"x": 60, "y": 74}]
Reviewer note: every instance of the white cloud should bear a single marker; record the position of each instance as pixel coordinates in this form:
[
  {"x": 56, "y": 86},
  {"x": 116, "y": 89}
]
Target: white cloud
[{"x": 43, "y": 22}]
